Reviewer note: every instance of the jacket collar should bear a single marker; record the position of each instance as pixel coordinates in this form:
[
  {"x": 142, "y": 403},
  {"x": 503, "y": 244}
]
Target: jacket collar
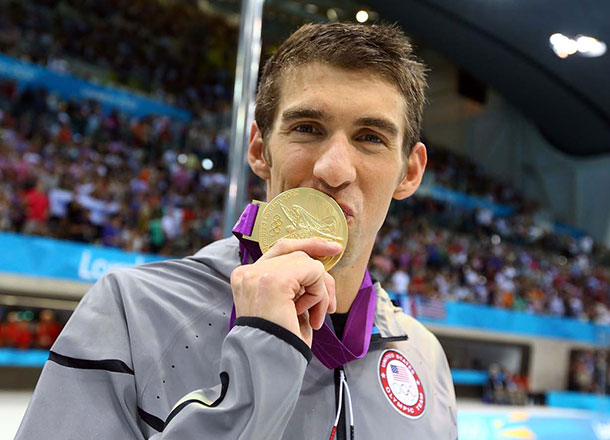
[{"x": 387, "y": 323}]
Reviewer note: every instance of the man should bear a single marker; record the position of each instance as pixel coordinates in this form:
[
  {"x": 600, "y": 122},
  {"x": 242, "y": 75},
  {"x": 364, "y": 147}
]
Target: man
[{"x": 151, "y": 352}]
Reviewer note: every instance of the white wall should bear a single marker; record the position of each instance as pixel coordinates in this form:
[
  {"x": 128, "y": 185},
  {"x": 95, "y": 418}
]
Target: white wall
[{"x": 573, "y": 190}]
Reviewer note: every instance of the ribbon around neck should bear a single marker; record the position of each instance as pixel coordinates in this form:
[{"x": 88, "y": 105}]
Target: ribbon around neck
[{"x": 331, "y": 351}]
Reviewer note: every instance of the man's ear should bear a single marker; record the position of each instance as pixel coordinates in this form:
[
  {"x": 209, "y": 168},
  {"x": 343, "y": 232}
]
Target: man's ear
[
  {"x": 256, "y": 157},
  {"x": 416, "y": 164}
]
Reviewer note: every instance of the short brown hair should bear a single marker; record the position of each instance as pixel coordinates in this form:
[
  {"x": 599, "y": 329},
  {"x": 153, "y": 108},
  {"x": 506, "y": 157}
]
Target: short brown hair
[{"x": 380, "y": 49}]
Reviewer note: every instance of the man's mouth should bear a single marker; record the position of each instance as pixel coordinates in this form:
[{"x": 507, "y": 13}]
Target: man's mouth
[{"x": 347, "y": 211}]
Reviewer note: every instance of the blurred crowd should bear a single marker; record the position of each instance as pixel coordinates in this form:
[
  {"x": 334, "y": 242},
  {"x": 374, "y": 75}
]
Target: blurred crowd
[
  {"x": 457, "y": 172},
  {"x": 28, "y": 328},
  {"x": 441, "y": 251},
  {"x": 505, "y": 388},
  {"x": 174, "y": 51},
  {"x": 589, "y": 371},
  {"x": 70, "y": 171}
]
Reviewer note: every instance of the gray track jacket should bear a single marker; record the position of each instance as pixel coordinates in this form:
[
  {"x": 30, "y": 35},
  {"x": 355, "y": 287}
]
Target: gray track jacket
[{"x": 148, "y": 354}]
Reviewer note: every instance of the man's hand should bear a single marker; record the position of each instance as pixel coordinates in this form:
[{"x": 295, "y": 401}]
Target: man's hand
[{"x": 287, "y": 286}]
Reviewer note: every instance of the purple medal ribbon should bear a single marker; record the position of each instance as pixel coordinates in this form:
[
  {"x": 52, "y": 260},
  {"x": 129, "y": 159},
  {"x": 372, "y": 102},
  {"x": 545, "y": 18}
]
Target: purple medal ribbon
[
  {"x": 244, "y": 226},
  {"x": 329, "y": 349}
]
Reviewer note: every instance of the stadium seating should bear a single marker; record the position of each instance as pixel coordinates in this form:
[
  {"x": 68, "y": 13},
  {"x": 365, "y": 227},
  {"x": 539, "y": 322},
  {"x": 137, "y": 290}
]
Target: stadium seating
[{"x": 75, "y": 170}]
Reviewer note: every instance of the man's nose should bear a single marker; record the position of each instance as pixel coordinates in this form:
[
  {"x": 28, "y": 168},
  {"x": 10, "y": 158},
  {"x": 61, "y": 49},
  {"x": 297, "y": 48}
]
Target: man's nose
[{"x": 335, "y": 165}]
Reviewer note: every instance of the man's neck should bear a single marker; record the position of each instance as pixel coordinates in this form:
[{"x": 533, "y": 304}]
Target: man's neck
[{"x": 348, "y": 280}]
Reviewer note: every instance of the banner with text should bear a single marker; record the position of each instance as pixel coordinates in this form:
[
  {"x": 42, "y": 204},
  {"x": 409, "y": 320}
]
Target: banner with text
[{"x": 49, "y": 258}]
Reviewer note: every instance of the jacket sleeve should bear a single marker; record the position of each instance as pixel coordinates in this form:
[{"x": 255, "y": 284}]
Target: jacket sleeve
[
  {"x": 87, "y": 388},
  {"x": 262, "y": 371}
]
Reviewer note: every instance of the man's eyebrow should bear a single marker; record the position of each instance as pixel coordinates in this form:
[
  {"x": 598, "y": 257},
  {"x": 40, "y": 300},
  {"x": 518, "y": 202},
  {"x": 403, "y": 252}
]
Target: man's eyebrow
[
  {"x": 303, "y": 113},
  {"x": 381, "y": 123}
]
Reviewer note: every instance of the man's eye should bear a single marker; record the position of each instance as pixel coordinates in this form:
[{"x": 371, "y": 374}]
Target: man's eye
[
  {"x": 371, "y": 138},
  {"x": 305, "y": 128}
]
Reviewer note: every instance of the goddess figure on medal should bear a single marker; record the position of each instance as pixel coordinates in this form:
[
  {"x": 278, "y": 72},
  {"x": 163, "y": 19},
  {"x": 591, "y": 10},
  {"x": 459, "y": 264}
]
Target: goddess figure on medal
[
  {"x": 305, "y": 225},
  {"x": 300, "y": 213}
]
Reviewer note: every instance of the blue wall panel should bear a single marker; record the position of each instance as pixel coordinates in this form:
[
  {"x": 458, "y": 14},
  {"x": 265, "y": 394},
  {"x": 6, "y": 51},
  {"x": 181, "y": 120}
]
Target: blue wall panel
[
  {"x": 482, "y": 317},
  {"x": 68, "y": 86},
  {"x": 493, "y": 318},
  {"x": 571, "y": 399},
  {"x": 50, "y": 258}
]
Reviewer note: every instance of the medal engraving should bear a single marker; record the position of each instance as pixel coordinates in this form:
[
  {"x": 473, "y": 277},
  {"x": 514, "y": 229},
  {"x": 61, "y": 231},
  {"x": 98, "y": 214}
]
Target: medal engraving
[
  {"x": 301, "y": 213},
  {"x": 276, "y": 225}
]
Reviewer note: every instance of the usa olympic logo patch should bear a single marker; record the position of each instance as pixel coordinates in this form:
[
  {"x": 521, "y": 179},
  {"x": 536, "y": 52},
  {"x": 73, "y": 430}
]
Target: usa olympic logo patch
[{"x": 401, "y": 385}]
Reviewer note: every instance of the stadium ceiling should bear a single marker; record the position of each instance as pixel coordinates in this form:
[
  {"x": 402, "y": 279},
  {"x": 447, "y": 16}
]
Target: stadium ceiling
[{"x": 505, "y": 44}]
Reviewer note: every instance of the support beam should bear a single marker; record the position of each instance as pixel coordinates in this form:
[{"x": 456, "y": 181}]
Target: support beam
[{"x": 246, "y": 74}]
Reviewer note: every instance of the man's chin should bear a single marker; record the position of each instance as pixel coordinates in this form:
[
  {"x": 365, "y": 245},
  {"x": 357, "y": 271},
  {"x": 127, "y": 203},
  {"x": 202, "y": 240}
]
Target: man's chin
[{"x": 348, "y": 258}]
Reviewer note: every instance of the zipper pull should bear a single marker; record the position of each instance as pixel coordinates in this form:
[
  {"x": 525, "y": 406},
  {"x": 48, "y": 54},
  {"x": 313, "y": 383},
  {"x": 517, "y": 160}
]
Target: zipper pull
[
  {"x": 341, "y": 381},
  {"x": 349, "y": 402}
]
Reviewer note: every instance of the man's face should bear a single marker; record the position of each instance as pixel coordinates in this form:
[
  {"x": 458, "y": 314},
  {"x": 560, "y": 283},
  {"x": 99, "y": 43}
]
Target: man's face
[{"x": 339, "y": 132}]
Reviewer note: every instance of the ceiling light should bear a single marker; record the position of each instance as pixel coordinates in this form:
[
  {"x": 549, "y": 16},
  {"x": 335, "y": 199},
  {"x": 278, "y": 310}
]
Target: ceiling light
[
  {"x": 590, "y": 47},
  {"x": 563, "y": 46},
  {"x": 362, "y": 16},
  {"x": 332, "y": 14}
]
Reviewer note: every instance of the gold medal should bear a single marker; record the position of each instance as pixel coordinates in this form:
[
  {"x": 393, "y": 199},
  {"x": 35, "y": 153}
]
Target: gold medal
[{"x": 300, "y": 213}]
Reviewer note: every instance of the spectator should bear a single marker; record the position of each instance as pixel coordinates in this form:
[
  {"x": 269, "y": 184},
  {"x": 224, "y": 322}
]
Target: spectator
[
  {"x": 47, "y": 329},
  {"x": 36, "y": 204},
  {"x": 17, "y": 332},
  {"x": 112, "y": 232},
  {"x": 400, "y": 281},
  {"x": 20, "y": 329}
]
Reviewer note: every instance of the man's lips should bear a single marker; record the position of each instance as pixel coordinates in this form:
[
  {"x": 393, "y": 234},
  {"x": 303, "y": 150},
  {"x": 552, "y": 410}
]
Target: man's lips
[{"x": 347, "y": 210}]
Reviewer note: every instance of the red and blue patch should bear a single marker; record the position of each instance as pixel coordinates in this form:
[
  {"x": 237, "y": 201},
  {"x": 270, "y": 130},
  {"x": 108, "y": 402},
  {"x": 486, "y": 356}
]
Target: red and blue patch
[{"x": 401, "y": 384}]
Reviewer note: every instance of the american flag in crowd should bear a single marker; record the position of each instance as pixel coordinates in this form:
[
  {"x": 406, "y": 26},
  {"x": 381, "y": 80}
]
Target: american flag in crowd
[
  {"x": 431, "y": 308},
  {"x": 400, "y": 373}
]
